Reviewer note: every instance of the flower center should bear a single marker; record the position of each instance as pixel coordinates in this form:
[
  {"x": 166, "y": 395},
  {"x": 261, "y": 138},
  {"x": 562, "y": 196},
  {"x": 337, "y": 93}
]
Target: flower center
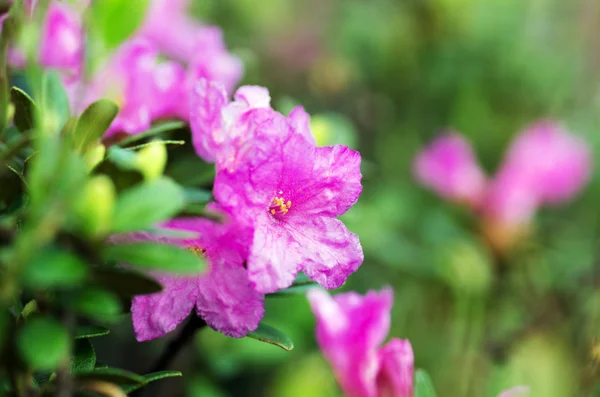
[
  {"x": 279, "y": 206},
  {"x": 196, "y": 250}
]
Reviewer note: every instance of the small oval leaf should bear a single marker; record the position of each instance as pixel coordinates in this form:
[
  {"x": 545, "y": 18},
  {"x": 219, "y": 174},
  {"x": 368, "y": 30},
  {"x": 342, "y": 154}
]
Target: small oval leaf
[
  {"x": 154, "y": 376},
  {"x": 84, "y": 359},
  {"x": 90, "y": 331},
  {"x": 156, "y": 256},
  {"x": 144, "y": 205},
  {"x": 25, "y": 109},
  {"x": 114, "y": 375},
  {"x": 268, "y": 334},
  {"x": 93, "y": 123},
  {"x": 43, "y": 343},
  {"x": 423, "y": 384}
]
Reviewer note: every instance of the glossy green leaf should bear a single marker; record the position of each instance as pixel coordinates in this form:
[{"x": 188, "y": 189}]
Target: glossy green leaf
[
  {"x": 116, "y": 20},
  {"x": 84, "y": 358},
  {"x": 156, "y": 256},
  {"x": 93, "y": 123},
  {"x": 54, "y": 268},
  {"x": 154, "y": 376},
  {"x": 55, "y": 102},
  {"x": 90, "y": 331},
  {"x": 96, "y": 303},
  {"x": 423, "y": 384},
  {"x": 43, "y": 343},
  {"x": 144, "y": 205},
  {"x": 155, "y": 130},
  {"x": 25, "y": 109},
  {"x": 114, "y": 375},
  {"x": 125, "y": 282},
  {"x": 268, "y": 334}
]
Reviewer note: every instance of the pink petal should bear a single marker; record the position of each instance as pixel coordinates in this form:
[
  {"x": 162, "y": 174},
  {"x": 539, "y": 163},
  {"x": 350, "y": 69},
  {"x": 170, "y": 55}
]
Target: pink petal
[
  {"x": 350, "y": 328},
  {"x": 449, "y": 168},
  {"x": 300, "y": 121},
  {"x": 518, "y": 391},
  {"x": 158, "y": 314},
  {"x": 329, "y": 252},
  {"x": 556, "y": 162},
  {"x": 396, "y": 374},
  {"x": 335, "y": 184},
  {"x": 207, "y": 101}
]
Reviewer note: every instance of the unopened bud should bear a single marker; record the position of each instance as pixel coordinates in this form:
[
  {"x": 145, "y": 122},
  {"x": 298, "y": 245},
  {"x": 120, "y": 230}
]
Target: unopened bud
[
  {"x": 94, "y": 206},
  {"x": 94, "y": 155},
  {"x": 151, "y": 160}
]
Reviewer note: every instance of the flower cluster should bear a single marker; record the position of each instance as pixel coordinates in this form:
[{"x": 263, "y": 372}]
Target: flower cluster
[
  {"x": 281, "y": 195},
  {"x": 546, "y": 165}
]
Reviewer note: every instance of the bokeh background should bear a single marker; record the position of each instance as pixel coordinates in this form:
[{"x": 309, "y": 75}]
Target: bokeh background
[{"x": 385, "y": 77}]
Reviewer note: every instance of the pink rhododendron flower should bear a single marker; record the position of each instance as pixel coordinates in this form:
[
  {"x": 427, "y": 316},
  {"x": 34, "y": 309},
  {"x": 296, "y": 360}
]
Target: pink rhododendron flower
[
  {"x": 292, "y": 192},
  {"x": 449, "y": 168},
  {"x": 62, "y": 40},
  {"x": 201, "y": 47},
  {"x": 144, "y": 89},
  {"x": 223, "y": 296},
  {"x": 555, "y": 162},
  {"x": 350, "y": 331}
]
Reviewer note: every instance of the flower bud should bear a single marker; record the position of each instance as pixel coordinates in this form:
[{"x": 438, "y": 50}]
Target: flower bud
[
  {"x": 151, "y": 160},
  {"x": 94, "y": 206},
  {"x": 94, "y": 155}
]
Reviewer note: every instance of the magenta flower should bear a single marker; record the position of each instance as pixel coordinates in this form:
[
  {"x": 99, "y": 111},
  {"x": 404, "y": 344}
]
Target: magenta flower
[
  {"x": 292, "y": 192},
  {"x": 223, "y": 297},
  {"x": 449, "y": 168},
  {"x": 144, "y": 89},
  {"x": 350, "y": 331},
  {"x": 62, "y": 40},
  {"x": 555, "y": 162},
  {"x": 201, "y": 47}
]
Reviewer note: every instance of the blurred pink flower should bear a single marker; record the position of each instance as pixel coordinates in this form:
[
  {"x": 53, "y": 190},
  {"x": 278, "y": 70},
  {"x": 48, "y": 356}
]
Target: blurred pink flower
[
  {"x": 448, "y": 167},
  {"x": 292, "y": 192},
  {"x": 350, "y": 331},
  {"x": 144, "y": 89},
  {"x": 223, "y": 296},
  {"x": 199, "y": 46},
  {"x": 62, "y": 40}
]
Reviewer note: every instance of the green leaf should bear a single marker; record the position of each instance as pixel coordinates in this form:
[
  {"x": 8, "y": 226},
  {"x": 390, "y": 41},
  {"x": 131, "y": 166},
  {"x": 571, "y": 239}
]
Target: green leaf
[
  {"x": 116, "y": 20},
  {"x": 156, "y": 256},
  {"x": 143, "y": 206},
  {"x": 90, "y": 331},
  {"x": 122, "y": 158},
  {"x": 155, "y": 130},
  {"x": 84, "y": 359},
  {"x": 96, "y": 303},
  {"x": 154, "y": 376},
  {"x": 25, "y": 109},
  {"x": 93, "y": 123},
  {"x": 125, "y": 282},
  {"x": 268, "y": 334},
  {"x": 197, "y": 196},
  {"x": 43, "y": 343},
  {"x": 54, "y": 268},
  {"x": 423, "y": 384},
  {"x": 114, "y": 375},
  {"x": 55, "y": 102}
]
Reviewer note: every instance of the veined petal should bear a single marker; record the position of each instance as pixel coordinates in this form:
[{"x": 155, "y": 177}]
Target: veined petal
[
  {"x": 300, "y": 121},
  {"x": 396, "y": 372},
  {"x": 207, "y": 100},
  {"x": 330, "y": 252},
  {"x": 155, "y": 315}
]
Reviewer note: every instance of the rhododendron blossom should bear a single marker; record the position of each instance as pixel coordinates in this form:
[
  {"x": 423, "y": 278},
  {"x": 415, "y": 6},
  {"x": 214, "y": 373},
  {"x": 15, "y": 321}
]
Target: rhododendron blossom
[
  {"x": 291, "y": 192},
  {"x": 350, "y": 331},
  {"x": 223, "y": 296},
  {"x": 449, "y": 167},
  {"x": 545, "y": 165}
]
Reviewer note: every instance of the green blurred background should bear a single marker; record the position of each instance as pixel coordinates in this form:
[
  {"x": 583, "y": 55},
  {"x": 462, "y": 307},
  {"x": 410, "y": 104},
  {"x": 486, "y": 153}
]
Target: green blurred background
[{"x": 385, "y": 77}]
